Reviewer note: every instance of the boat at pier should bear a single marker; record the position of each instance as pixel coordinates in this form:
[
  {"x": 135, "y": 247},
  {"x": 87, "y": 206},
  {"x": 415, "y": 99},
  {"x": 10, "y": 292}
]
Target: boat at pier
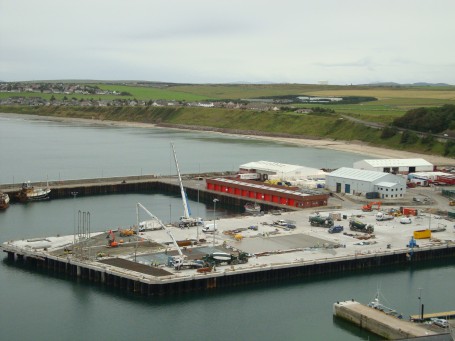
[
  {"x": 252, "y": 207},
  {"x": 30, "y": 193},
  {"x": 376, "y": 304},
  {"x": 4, "y": 201}
]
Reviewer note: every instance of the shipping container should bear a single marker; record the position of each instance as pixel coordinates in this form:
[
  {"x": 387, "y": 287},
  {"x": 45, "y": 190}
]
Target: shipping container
[
  {"x": 422, "y": 234},
  {"x": 409, "y": 211}
]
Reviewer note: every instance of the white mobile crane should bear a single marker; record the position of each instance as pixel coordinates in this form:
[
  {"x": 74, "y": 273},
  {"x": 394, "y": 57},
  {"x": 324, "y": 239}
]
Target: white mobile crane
[
  {"x": 186, "y": 220},
  {"x": 180, "y": 261}
]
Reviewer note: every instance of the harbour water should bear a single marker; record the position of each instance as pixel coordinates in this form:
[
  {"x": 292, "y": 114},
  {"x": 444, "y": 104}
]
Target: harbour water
[{"x": 38, "y": 306}]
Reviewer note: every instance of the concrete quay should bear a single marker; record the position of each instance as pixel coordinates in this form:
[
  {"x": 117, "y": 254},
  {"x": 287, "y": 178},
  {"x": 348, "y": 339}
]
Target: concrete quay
[
  {"x": 389, "y": 327},
  {"x": 139, "y": 263}
]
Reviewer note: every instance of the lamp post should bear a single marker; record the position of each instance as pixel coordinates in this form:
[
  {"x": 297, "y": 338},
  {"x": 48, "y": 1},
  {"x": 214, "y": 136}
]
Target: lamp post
[
  {"x": 214, "y": 219},
  {"x": 74, "y": 218},
  {"x": 197, "y": 224},
  {"x": 420, "y": 304}
]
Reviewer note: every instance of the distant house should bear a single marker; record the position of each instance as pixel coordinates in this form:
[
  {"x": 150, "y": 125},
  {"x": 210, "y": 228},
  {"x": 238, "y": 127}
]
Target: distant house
[{"x": 206, "y": 105}]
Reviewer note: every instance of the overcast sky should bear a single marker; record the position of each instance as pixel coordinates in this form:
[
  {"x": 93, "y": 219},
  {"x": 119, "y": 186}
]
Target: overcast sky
[{"x": 218, "y": 41}]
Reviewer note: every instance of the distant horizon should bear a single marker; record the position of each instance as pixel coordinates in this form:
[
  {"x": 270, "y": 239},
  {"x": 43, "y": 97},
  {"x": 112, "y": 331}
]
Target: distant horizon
[{"x": 389, "y": 83}]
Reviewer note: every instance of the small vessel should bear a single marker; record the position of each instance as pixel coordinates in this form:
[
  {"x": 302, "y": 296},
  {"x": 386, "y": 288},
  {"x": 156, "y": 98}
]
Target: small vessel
[
  {"x": 376, "y": 304},
  {"x": 252, "y": 207},
  {"x": 4, "y": 201},
  {"x": 30, "y": 193}
]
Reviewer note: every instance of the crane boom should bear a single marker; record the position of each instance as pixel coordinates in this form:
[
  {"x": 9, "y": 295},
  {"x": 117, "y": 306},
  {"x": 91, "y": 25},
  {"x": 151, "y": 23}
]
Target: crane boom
[
  {"x": 164, "y": 227},
  {"x": 186, "y": 211}
]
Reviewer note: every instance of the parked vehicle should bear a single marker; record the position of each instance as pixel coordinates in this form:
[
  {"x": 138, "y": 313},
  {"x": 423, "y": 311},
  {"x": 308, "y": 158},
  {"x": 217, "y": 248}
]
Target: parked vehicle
[
  {"x": 358, "y": 226},
  {"x": 405, "y": 220},
  {"x": 440, "y": 322},
  {"x": 285, "y": 223},
  {"x": 380, "y": 216},
  {"x": 336, "y": 229},
  {"x": 370, "y": 206},
  {"x": 318, "y": 220}
]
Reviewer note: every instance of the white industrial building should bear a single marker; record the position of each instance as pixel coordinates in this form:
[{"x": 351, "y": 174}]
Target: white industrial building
[
  {"x": 267, "y": 170},
  {"x": 395, "y": 166},
  {"x": 360, "y": 182}
]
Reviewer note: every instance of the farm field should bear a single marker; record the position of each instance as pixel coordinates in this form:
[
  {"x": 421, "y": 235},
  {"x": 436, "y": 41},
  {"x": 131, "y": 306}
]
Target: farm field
[{"x": 391, "y": 102}]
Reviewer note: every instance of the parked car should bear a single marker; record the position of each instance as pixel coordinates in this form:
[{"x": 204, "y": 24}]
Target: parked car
[
  {"x": 336, "y": 229},
  {"x": 405, "y": 220}
]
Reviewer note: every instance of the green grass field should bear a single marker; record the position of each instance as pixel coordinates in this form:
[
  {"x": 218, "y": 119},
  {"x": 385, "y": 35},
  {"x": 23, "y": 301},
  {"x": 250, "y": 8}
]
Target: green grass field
[{"x": 391, "y": 103}]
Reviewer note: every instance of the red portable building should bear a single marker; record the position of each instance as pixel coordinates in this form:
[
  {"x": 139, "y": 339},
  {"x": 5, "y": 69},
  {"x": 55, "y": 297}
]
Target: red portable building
[{"x": 288, "y": 196}]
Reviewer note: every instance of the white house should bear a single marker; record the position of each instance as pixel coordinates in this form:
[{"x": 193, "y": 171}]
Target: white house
[
  {"x": 395, "y": 166},
  {"x": 360, "y": 182}
]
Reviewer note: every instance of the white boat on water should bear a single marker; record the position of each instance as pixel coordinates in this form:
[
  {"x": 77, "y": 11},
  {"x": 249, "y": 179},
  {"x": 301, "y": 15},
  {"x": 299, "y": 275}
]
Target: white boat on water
[
  {"x": 252, "y": 207},
  {"x": 30, "y": 193},
  {"x": 4, "y": 201},
  {"x": 376, "y": 304}
]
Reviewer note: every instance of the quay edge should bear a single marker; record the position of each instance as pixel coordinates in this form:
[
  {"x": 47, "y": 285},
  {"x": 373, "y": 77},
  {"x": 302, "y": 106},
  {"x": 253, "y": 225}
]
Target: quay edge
[{"x": 223, "y": 277}]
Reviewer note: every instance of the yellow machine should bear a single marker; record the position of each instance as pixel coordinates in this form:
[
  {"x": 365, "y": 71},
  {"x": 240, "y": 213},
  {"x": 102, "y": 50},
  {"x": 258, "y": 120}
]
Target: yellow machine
[
  {"x": 422, "y": 234},
  {"x": 127, "y": 232}
]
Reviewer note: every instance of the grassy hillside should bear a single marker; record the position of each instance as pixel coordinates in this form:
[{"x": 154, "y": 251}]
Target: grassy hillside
[
  {"x": 392, "y": 102},
  {"x": 330, "y": 126}
]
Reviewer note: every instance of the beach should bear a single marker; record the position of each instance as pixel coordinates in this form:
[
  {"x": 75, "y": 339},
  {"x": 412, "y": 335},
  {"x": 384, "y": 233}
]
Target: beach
[{"x": 345, "y": 146}]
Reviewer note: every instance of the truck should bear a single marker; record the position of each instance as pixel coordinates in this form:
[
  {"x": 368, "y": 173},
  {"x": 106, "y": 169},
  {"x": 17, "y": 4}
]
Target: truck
[
  {"x": 336, "y": 229},
  {"x": 381, "y": 216},
  {"x": 320, "y": 221},
  {"x": 358, "y": 226}
]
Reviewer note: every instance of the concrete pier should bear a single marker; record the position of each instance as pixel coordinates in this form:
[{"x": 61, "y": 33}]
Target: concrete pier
[
  {"x": 378, "y": 322},
  {"x": 277, "y": 253}
]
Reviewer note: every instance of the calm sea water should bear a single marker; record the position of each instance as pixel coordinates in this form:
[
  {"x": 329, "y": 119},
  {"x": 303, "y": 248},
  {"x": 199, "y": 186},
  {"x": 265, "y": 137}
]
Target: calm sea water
[{"x": 36, "y": 306}]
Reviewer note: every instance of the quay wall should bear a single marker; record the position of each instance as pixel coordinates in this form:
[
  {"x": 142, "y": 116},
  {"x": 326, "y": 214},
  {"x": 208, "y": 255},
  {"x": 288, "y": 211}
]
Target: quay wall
[
  {"x": 223, "y": 277},
  {"x": 138, "y": 184}
]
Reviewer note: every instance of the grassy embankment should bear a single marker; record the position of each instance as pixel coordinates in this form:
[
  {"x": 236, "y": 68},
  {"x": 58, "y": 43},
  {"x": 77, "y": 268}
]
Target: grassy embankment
[{"x": 391, "y": 103}]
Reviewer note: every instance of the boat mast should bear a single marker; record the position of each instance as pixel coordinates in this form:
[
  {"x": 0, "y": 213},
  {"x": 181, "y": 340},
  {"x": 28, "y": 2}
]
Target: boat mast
[{"x": 186, "y": 212}]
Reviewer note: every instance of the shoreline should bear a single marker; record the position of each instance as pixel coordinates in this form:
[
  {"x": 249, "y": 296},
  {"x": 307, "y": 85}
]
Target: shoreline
[{"x": 345, "y": 146}]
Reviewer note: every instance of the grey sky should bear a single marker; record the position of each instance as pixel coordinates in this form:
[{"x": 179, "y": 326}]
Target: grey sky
[{"x": 209, "y": 41}]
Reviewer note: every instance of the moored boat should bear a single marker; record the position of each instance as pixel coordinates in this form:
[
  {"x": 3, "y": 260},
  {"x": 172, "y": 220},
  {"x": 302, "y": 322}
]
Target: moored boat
[
  {"x": 30, "y": 193},
  {"x": 4, "y": 201},
  {"x": 252, "y": 207},
  {"x": 376, "y": 304}
]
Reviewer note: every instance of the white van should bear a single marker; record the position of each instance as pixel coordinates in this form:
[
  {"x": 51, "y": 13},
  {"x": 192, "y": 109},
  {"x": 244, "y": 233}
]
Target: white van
[
  {"x": 440, "y": 322},
  {"x": 405, "y": 220},
  {"x": 209, "y": 228}
]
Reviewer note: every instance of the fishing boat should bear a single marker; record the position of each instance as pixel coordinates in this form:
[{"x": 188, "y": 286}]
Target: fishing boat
[
  {"x": 252, "y": 207},
  {"x": 376, "y": 304},
  {"x": 4, "y": 201},
  {"x": 30, "y": 193}
]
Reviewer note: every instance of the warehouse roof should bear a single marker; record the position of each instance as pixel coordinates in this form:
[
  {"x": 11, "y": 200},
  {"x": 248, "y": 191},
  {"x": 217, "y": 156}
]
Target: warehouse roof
[
  {"x": 398, "y": 162},
  {"x": 261, "y": 186},
  {"x": 269, "y": 166},
  {"x": 357, "y": 174},
  {"x": 386, "y": 184}
]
